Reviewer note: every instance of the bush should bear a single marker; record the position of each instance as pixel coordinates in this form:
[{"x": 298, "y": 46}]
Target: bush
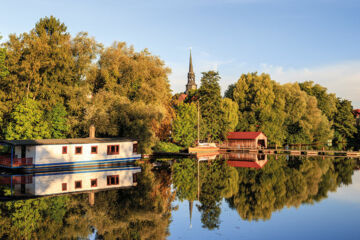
[{"x": 166, "y": 147}]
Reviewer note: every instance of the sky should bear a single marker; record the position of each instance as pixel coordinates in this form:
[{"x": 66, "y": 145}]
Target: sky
[{"x": 293, "y": 41}]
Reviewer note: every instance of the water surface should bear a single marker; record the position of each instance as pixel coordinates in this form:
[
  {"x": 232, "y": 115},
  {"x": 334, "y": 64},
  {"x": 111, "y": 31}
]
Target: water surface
[{"x": 224, "y": 197}]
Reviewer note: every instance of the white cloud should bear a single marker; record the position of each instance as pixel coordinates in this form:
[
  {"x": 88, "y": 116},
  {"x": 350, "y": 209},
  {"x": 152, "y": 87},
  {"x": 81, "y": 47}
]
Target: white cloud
[
  {"x": 343, "y": 78},
  {"x": 350, "y": 193}
]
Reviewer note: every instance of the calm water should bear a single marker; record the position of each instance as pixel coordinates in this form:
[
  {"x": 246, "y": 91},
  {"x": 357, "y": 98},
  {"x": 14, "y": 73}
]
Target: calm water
[{"x": 237, "y": 196}]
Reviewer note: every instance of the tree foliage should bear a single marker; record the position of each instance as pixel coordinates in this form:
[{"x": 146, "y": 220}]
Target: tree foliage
[
  {"x": 185, "y": 124},
  {"x": 27, "y": 121},
  {"x": 212, "y": 121},
  {"x": 285, "y": 113}
]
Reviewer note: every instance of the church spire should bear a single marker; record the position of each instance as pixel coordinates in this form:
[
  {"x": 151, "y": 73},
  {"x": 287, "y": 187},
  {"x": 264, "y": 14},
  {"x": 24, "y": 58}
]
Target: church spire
[
  {"x": 190, "y": 64},
  {"x": 191, "y": 85}
]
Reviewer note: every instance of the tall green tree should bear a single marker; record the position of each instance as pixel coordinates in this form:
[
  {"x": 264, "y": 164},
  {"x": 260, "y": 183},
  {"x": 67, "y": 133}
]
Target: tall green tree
[
  {"x": 344, "y": 122},
  {"x": 212, "y": 125}
]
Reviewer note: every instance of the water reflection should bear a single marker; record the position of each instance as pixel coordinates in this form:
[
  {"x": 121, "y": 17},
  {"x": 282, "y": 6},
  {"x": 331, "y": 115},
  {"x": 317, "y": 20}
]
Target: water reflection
[
  {"x": 144, "y": 210},
  {"x": 49, "y": 183}
]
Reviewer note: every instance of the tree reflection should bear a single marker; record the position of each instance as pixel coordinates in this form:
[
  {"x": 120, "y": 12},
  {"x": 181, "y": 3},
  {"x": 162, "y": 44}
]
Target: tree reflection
[
  {"x": 141, "y": 212},
  {"x": 283, "y": 183}
]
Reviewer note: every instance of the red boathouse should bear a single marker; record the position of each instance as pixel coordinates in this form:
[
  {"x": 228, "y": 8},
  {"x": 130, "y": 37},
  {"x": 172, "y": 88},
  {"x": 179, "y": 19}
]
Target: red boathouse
[{"x": 247, "y": 140}]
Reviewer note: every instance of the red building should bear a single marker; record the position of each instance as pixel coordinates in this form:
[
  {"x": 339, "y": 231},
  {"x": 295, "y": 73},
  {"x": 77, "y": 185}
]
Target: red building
[
  {"x": 356, "y": 113},
  {"x": 248, "y": 140}
]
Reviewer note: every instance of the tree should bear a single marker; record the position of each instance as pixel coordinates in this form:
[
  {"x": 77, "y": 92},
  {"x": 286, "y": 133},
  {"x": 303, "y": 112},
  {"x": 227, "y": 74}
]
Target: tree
[
  {"x": 184, "y": 127},
  {"x": 27, "y": 122},
  {"x": 326, "y": 102},
  {"x": 58, "y": 122},
  {"x": 51, "y": 67},
  {"x": 290, "y": 117},
  {"x": 229, "y": 93},
  {"x": 344, "y": 122},
  {"x": 3, "y": 69},
  {"x": 230, "y": 111},
  {"x": 212, "y": 125},
  {"x": 259, "y": 109}
]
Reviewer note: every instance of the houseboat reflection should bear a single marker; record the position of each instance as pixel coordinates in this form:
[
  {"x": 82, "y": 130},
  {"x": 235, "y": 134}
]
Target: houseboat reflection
[{"x": 81, "y": 180}]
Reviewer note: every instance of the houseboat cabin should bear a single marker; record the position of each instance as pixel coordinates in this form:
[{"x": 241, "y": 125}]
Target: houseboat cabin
[
  {"x": 246, "y": 140},
  {"x": 50, "y": 183},
  {"x": 66, "y": 152}
]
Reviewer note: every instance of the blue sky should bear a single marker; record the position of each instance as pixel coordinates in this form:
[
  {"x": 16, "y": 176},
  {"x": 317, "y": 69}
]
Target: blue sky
[{"x": 291, "y": 40}]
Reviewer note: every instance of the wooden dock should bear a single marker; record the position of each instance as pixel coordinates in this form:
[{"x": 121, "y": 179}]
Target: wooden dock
[{"x": 294, "y": 152}]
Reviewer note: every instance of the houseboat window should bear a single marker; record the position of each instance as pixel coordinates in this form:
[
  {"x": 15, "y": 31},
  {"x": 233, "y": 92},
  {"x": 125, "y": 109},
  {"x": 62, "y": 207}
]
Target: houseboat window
[
  {"x": 135, "y": 146},
  {"x": 93, "y": 182},
  {"x": 64, "y": 186},
  {"x": 112, "y": 149},
  {"x": 94, "y": 149},
  {"x": 64, "y": 150},
  {"x": 78, "y": 184},
  {"x": 113, "y": 180},
  {"x": 78, "y": 150}
]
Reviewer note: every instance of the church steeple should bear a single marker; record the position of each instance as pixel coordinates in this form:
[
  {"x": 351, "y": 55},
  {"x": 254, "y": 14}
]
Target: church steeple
[
  {"x": 190, "y": 64},
  {"x": 191, "y": 85}
]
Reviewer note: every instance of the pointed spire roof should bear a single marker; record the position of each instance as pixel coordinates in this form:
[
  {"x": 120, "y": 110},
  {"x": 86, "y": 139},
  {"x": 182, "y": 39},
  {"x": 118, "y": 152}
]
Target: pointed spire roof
[{"x": 190, "y": 64}]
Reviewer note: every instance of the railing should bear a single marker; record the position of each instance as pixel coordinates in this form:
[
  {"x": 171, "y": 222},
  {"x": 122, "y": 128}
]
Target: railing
[{"x": 17, "y": 162}]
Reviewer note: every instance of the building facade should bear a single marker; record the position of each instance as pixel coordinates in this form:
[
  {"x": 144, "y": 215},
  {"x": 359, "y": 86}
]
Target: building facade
[{"x": 246, "y": 140}]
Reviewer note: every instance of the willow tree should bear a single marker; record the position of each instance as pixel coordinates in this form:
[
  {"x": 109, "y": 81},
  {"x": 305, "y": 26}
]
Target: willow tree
[{"x": 230, "y": 111}]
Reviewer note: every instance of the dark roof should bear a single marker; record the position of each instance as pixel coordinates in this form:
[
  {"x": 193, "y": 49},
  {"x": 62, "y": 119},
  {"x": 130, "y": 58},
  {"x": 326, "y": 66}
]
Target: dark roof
[
  {"x": 64, "y": 141},
  {"x": 243, "y": 135}
]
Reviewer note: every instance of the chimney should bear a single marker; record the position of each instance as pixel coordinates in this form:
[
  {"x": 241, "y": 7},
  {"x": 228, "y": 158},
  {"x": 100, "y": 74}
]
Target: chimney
[{"x": 92, "y": 131}]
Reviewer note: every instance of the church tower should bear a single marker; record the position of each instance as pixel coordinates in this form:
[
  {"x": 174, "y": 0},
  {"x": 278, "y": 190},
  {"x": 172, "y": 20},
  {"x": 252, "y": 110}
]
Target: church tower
[{"x": 191, "y": 85}]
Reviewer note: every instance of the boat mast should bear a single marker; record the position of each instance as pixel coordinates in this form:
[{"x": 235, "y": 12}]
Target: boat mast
[{"x": 198, "y": 122}]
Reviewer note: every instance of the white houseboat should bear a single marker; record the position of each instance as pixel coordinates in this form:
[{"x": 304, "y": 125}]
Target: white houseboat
[{"x": 78, "y": 152}]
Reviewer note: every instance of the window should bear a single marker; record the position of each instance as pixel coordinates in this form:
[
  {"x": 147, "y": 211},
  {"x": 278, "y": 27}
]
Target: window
[
  {"x": 78, "y": 185},
  {"x": 113, "y": 180},
  {"x": 135, "y": 145},
  {"x": 93, "y": 182},
  {"x": 78, "y": 150},
  {"x": 64, "y": 150},
  {"x": 94, "y": 149},
  {"x": 64, "y": 186},
  {"x": 112, "y": 149}
]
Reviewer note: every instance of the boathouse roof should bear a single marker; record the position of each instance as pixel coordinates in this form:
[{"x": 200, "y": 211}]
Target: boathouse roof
[
  {"x": 243, "y": 135},
  {"x": 64, "y": 141}
]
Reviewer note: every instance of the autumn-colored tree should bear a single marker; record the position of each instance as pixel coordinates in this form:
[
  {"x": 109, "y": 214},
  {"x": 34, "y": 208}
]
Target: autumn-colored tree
[{"x": 48, "y": 65}]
